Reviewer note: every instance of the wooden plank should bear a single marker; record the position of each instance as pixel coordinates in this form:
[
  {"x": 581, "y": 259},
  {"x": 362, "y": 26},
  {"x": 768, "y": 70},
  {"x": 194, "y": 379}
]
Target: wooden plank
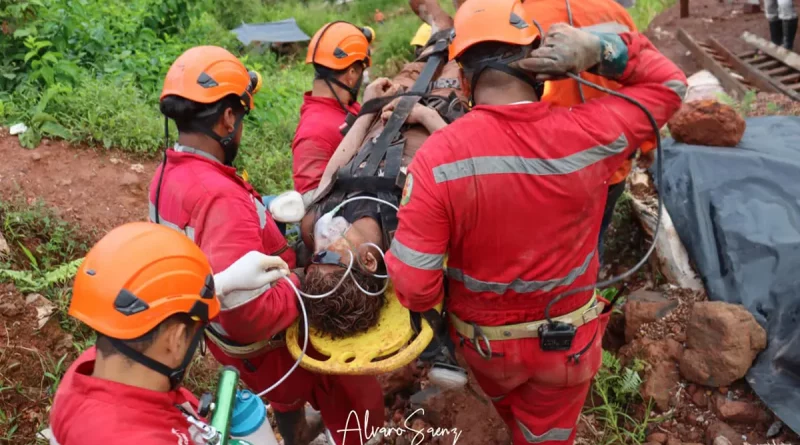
[
  {"x": 784, "y": 55},
  {"x": 759, "y": 79},
  {"x": 779, "y": 70},
  {"x": 733, "y": 86},
  {"x": 789, "y": 78},
  {"x": 769, "y": 64},
  {"x": 748, "y": 54}
]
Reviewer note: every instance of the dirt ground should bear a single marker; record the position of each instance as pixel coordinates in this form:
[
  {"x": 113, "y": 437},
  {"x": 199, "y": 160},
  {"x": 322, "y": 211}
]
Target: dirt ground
[
  {"x": 94, "y": 188},
  {"x": 721, "y": 19},
  {"x": 25, "y": 355}
]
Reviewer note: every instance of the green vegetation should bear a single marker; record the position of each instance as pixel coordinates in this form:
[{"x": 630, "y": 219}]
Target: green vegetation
[
  {"x": 90, "y": 71},
  {"x": 616, "y": 390},
  {"x": 646, "y": 10}
]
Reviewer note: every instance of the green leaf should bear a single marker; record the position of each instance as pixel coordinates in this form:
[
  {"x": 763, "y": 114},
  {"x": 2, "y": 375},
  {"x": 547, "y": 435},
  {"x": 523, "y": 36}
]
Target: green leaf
[
  {"x": 30, "y": 256},
  {"x": 23, "y": 32},
  {"x": 55, "y": 129}
]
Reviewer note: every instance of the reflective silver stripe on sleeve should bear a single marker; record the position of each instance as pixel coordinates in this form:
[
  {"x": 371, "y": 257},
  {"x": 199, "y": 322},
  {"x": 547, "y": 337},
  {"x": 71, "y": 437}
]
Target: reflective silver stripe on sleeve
[
  {"x": 413, "y": 258},
  {"x": 308, "y": 198},
  {"x": 262, "y": 212},
  {"x": 519, "y": 286},
  {"x": 677, "y": 86},
  {"x": 607, "y": 27},
  {"x": 493, "y": 165},
  {"x": 553, "y": 434},
  {"x": 232, "y": 300},
  {"x": 188, "y": 230}
]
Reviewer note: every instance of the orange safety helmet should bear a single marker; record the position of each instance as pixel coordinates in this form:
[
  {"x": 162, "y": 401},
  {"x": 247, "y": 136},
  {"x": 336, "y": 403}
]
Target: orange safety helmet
[
  {"x": 504, "y": 21},
  {"x": 137, "y": 276},
  {"x": 207, "y": 74},
  {"x": 338, "y": 45}
]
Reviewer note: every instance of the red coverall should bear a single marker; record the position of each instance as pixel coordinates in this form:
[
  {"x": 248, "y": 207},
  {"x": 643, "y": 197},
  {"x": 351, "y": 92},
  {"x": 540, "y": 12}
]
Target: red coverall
[
  {"x": 91, "y": 411},
  {"x": 514, "y": 195},
  {"x": 224, "y": 216},
  {"x": 318, "y": 134}
]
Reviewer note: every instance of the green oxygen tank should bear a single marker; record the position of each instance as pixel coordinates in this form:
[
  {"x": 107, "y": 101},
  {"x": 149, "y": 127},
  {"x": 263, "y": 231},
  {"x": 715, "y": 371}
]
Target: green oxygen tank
[{"x": 223, "y": 405}]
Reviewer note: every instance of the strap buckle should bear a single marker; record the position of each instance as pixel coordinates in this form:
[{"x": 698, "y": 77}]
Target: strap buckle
[
  {"x": 477, "y": 336},
  {"x": 592, "y": 312}
]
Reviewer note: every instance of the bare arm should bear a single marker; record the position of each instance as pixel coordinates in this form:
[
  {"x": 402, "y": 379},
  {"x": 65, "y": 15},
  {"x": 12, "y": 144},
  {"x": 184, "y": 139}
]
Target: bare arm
[{"x": 346, "y": 150}]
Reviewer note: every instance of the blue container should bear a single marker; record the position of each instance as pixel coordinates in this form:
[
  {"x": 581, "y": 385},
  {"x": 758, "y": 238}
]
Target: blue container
[{"x": 249, "y": 413}]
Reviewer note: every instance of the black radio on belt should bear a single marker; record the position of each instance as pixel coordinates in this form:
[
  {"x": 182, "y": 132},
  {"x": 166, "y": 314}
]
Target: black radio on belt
[{"x": 556, "y": 336}]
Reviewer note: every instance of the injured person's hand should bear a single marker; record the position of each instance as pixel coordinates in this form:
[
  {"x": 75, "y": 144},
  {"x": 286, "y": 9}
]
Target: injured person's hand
[{"x": 250, "y": 275}]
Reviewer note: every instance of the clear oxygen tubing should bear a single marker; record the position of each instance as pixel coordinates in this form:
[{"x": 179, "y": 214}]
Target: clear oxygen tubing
[{"x": 300, "y": 294}]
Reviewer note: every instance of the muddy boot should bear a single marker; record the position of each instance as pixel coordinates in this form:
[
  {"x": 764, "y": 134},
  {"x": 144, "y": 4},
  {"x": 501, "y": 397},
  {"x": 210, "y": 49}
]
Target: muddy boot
[
  {"x": 776, "y": 31},
  {"x": 299, "y": 427},
  {"x": 789, "y": 31}
]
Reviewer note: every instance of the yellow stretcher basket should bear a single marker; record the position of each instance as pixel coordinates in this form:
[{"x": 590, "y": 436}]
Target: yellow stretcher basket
[{"x": 387, "y": 346}]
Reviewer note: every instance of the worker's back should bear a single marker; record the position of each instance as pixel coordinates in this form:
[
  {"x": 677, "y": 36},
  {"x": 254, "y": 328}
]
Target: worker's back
[
  {"x": 585, "y": 13},
  {"x": 524, "y": 189}
]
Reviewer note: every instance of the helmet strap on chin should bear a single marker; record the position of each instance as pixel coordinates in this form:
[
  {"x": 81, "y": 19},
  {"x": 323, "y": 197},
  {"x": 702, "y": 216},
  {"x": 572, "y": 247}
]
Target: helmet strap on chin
[{"x": 175, "y": 375}]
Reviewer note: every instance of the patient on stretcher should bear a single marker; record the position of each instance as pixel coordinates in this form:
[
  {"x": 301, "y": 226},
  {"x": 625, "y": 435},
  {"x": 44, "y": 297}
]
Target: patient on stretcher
[{"x": 358, "y": 230}]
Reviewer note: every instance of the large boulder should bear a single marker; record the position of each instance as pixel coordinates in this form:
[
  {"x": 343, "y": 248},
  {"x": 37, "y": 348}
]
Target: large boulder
[
  {"x": 707, "y": 122},
  {"x": 722, "y": 340}
]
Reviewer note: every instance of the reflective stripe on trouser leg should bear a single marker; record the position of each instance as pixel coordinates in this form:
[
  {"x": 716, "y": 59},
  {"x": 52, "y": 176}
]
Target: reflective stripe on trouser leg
[{"x": 553, "y": 434}]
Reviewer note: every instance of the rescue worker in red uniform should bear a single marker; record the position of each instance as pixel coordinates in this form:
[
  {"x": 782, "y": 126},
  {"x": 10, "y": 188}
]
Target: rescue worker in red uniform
[
  {"x": 148, "y": 292},
  {"x": 207, "y": 92},
  {"x": 513, "y": 193},
  {"x": 340, "y": 53}
]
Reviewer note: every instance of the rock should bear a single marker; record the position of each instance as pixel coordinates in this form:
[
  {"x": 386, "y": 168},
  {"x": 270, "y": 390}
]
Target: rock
[
  {"x": 645, "y": 307},
  {"x": 700, "y": 399},
  {"x": 722, "y": 340},
  {"x": 673, "y": 441},
  {"x": 722, "y": 430},
  {"x": 4, "y": 249},
  {"x": 36, "y": 156},
  {"x": 399, "y": 380},
  {"x": 739, "y": 411},
  {"x": 707, "y": 122},
  {"x": 721, "y": 441},
  {"x": 44, "y": 308},
  {"x": 774, "y": 429},
  {"x": 657, "y": 437},
  {"x": 661, "y": 350},
  {"x": 661, "y": 380},
  {"x": 138, "y": 168}
]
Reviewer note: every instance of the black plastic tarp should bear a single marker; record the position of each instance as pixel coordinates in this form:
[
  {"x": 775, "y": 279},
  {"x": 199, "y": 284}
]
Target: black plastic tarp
[
  {"x": 283, "y": 31},
  {"x": 737, "y": 210}
]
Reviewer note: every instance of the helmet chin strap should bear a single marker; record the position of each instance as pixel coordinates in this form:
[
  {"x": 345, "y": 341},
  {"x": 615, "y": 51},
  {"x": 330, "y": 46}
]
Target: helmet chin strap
[
  {"x": 225, "y": 141},
  {"x": 353, "y": 91},
  {"x": 175, "y": 375}
]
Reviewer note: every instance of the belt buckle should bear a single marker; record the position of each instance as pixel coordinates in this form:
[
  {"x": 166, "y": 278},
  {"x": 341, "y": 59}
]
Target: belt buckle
[
  {"x": 476, "y": 333},
  {"x": 590, "y": 309}
]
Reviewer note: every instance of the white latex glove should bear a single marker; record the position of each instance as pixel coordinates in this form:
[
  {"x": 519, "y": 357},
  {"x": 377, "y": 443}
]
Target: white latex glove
[{"x": 247, "y": 278}]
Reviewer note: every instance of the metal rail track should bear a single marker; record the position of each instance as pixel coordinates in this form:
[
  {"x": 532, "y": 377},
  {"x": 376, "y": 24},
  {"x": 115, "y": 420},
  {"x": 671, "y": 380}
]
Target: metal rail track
[{"x": 762, "y": 69}]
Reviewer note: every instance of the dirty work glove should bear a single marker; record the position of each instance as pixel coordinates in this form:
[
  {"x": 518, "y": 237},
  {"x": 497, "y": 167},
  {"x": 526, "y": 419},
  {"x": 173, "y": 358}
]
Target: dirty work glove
[
  {"x": 566, "y": 49},
  {"x": 247, "y": 278}
]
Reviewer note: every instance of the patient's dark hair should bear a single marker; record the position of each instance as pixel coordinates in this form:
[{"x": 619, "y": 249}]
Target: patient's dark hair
[
  {"x": 188, "y": 114},
  {"x": 348, "y": 311}
]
